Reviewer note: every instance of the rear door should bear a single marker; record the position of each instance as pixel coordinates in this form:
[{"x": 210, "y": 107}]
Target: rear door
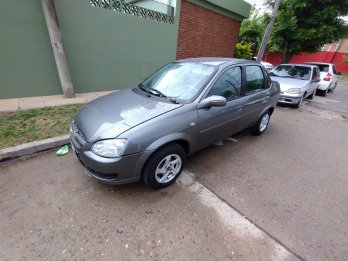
[
  {"x": 219, "y": 122},
  {"x": 316, "y": 75},
  {"x": 256, "y": 92}
]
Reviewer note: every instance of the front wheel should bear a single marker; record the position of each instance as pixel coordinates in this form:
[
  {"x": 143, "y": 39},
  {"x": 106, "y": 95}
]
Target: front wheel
[
  {"x": 261, "y": 125},
  {"x": 298, "y": 105},
  {"x": 310, "y": 97},
  {"x": 164, "y": 166}
]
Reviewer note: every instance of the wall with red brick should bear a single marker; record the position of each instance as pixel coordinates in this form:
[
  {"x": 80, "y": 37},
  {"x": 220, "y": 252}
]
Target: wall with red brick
[{"x": 203, "y": 32}]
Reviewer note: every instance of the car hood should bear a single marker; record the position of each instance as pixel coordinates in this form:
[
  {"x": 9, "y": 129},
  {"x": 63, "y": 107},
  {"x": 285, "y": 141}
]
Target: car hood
[
  {"x": 287, "y": 83},
  {"x": 109, "y": 116}
]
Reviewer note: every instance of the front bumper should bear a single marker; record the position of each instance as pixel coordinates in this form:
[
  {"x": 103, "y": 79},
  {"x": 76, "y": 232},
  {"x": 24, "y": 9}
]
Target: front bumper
[
  {"x": 112, "y": 171},
  {"x": 289, "y": 98}
]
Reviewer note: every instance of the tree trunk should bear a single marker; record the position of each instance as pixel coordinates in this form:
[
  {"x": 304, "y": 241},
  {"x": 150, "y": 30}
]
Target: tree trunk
[{"x": 286, "y": 55}]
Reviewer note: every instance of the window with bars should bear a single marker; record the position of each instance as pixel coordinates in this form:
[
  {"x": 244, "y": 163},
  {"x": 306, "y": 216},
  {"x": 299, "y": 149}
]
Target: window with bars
[{"x": 127, "y": 8}]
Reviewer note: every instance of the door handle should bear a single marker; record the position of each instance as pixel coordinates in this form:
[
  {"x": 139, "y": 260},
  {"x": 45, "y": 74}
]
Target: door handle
[{"x": 265, "y": 100}]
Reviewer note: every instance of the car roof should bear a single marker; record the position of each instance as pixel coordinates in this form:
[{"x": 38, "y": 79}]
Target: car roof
[
  {"x": 298, "y": 64},
  {"x": 319, "y": 63},
  {"x": 217, "y": 61}
]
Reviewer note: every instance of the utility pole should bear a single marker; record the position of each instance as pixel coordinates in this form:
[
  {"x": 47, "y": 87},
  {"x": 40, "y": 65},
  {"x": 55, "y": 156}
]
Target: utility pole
[
  {"x": 57, "y": 46},
  {"x": 268, "y": 31}
]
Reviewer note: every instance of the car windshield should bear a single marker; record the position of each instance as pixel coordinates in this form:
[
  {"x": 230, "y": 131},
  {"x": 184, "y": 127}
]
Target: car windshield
[
  {"x": 181, "y": 81},
  {"x": 292, "y": 71}
]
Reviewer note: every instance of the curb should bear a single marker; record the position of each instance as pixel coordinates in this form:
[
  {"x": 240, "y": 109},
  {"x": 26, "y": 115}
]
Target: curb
[{"x": 32, "y": 147}]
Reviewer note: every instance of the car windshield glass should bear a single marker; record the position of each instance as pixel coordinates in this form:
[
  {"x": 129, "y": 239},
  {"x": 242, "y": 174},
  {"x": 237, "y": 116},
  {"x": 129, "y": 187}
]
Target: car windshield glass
[
  {"x": 292, "y": 71},
  {"x": 180, "y": 81}
]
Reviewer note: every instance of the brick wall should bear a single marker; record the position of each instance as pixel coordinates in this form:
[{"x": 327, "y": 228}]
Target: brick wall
[{"x": 203, "y": 32}]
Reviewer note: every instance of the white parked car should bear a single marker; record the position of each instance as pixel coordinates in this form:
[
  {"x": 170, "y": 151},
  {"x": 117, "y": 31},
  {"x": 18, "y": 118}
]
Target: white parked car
[
  {"x": 267, "y": 65},
  {"x": 328, "y": 77}
]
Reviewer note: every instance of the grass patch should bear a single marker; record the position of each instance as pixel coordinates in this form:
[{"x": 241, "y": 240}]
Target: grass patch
[
  {"x": 35, "y": 124},
  {"x": 343, "y": 76}
]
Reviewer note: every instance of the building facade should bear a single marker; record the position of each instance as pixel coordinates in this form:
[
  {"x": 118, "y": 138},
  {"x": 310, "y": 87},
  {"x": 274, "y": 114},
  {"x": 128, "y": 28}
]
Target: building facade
[{"x": 110, "y": 44}]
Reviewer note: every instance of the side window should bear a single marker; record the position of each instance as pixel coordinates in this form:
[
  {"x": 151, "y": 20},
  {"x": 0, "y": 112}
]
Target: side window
[
  {"x": 254, "y": 81},
  {"x": 228, "y": 84},
  {"x": 334, "y": 69},
  {"x": 315, "y": 74}
]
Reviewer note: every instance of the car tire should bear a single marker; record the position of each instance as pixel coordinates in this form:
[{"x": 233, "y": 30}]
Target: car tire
[
  {"x": 298, "y": 105},
  {"x": 262, "y": 123},
  {"x": 332, "y": 89},
  {"x": 164, "y": 166},
  {"x": 310, "y": 97}
]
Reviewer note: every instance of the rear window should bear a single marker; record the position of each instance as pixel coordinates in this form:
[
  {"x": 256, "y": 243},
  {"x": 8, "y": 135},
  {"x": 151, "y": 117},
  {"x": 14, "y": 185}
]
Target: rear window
[{"x": 322, "y": 67}]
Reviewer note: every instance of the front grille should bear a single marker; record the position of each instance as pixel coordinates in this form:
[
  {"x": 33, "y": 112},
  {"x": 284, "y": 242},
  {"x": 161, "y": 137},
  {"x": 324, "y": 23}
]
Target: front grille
[{"x": 75, "y": 129}]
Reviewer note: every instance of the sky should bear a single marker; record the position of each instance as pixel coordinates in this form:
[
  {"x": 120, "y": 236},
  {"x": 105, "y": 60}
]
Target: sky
[{"x": 259, "y": 5}]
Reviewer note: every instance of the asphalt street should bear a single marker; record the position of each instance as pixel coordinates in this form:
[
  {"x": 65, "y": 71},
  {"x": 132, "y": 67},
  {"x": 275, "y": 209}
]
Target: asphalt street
[
  {"x": 279, "y": 196},
  {"x": 293, "y": 180}
]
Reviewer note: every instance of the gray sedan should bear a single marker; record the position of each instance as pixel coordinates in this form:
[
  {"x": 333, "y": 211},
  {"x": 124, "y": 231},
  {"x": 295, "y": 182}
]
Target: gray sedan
[
  {"x": 297, "y": 82},
  {"x": 146, "y": 132}
]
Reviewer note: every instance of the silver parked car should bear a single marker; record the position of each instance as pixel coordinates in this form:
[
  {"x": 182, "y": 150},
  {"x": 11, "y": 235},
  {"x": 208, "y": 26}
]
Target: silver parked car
[
  {"x": 297, "y": 82},
  {"x": 145, "y": 132},
  {"x": 328, "y": 77}
]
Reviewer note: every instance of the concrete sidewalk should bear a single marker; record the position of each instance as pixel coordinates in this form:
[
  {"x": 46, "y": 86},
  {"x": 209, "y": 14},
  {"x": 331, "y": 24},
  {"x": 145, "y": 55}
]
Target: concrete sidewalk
[{"x": 16, "y": 104}]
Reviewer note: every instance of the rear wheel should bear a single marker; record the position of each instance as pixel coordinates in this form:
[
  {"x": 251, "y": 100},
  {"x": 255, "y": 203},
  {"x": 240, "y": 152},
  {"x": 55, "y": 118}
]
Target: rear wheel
[
  {"x": 333, "y": 88},
  {"x": 261, "y": 125},
  {"x": 164, "y": 166}
]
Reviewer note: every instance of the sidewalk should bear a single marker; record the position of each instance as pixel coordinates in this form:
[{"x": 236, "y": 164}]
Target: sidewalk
[{"x": 16, "y": 104}]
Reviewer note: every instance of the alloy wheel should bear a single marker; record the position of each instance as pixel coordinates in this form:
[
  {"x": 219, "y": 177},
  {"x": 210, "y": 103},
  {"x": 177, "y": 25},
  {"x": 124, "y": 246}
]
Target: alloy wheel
[
  {"x": 168, "y": 168},
  {"x": 264, "y": 122}
]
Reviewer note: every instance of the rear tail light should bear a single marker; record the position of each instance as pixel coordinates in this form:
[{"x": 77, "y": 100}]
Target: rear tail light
[{"x": 328, "y": 77}]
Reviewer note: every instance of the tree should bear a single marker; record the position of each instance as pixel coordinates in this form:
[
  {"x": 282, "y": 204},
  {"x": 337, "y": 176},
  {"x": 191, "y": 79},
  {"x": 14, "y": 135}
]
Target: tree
[
  {"x": 306, "y": 25},
  {"x": 251, "y": 30}
]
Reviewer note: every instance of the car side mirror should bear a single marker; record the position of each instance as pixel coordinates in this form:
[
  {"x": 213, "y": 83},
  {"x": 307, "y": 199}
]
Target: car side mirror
[{"x": 212, "y": 101}]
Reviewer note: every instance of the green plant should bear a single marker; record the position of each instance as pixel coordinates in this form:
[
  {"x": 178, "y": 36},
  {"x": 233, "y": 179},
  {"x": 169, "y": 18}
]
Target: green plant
[
  {"x": 243, "y": 50},
  {"x": 345, "y": 59}
]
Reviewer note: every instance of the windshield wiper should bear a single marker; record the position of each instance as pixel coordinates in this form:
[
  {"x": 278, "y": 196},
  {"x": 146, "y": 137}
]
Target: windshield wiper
[
  {"x": 143, "y": 88},
  {"x": 158, "y": 93}
]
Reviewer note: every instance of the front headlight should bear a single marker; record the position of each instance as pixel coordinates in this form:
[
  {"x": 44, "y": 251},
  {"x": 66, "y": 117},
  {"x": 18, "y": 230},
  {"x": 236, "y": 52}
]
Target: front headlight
[
  {"x": 294, "y": 90},
  {"x": 109, "y": 148}
]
